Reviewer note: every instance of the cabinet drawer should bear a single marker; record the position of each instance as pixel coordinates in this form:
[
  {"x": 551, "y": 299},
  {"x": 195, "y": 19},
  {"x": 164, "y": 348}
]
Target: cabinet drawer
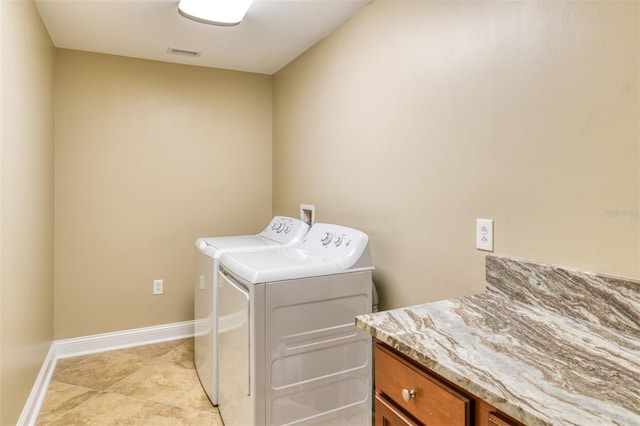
[
  {"x": 496, "y": 420},
  {"x": 432, "y": 402},
  {"x": 388, "y": 415}
]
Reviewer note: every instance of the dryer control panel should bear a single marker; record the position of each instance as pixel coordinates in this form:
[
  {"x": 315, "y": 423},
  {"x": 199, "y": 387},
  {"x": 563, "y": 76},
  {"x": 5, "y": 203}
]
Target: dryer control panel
[{"x": 285, "y": 229}]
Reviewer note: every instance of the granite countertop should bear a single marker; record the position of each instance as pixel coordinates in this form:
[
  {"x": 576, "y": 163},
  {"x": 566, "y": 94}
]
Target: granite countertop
[{"x": 545, "y": 344}]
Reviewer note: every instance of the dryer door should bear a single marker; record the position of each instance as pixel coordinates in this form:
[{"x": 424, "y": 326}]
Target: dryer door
[{"x": 234, "y": 350}]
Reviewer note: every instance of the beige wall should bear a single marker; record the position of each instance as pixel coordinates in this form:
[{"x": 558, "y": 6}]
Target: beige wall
[
  {"x": 416, "y": 118},
  {"x": 149, "y": 156},
  {"x": 26, "y": 197}
]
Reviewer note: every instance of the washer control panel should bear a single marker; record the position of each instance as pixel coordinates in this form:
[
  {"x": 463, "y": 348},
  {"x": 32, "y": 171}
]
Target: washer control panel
[
  {"x": 335, "y": 238},
  {"x": 335, "y": 243}
]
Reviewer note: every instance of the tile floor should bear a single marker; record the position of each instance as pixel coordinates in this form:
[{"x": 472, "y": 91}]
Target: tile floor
[{"x": 151, "y": 385}]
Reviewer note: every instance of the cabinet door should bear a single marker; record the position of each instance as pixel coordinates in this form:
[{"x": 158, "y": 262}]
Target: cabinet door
[
  {"x": 388, "y": 415},
  {"x": 494, "y": 420}
]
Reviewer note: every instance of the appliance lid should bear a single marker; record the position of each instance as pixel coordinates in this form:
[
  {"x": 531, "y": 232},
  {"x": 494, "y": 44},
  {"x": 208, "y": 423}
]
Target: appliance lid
[
  {"x": 325, "y": 250},
  {"x": 278, "y": 264},
  {"x": 280, "y": 231},
  {"x": 214, "y": 247}
]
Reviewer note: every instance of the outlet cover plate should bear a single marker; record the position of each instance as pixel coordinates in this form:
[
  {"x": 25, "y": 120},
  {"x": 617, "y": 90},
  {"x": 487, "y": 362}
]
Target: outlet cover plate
[
  {"x": 158, "y": 287},
  {"x": 484, "y": 234}
]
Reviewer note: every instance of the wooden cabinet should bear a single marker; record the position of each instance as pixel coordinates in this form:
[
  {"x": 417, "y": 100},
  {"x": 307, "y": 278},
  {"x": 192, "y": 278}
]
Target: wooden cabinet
[
  {"x": 388, "y": 415},
  {"x": 495, "y": 420},
  {"x": 409, "y": 394},
  {"x": 426, "y": 399}
]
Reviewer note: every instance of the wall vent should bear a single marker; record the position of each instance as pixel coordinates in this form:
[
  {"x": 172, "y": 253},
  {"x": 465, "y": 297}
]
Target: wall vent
[{"x": 183, "y": 52}]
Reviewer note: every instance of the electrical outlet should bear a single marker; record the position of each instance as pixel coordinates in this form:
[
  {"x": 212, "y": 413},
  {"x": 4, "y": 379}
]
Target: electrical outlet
[
  {"x": 484, "y": 234},
  {"x": 158, "y": 287}
]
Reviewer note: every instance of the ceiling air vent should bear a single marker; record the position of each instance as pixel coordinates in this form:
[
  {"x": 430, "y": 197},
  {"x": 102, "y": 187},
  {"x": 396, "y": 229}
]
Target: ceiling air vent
[{"x": 183, "y": 52}]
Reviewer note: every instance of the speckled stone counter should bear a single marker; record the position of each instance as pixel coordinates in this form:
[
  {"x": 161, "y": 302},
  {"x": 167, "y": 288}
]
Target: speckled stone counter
[{"x": 547, "y": 345}]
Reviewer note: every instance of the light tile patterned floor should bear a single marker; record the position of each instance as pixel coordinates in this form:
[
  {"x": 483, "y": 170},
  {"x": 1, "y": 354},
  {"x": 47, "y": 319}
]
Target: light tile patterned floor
[{"x": 150, "y": 385}]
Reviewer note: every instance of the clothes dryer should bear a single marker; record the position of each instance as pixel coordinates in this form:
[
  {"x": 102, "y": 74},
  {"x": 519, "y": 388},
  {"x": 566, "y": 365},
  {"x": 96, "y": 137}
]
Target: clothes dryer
[
  {"x": 281, "y": 231},
  {"x": 289, "y": 349}
]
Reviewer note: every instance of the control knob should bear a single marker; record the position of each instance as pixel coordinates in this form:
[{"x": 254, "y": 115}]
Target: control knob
[
  {"x": 338, "y": 240},
  {"x": 326, "y": 238}
]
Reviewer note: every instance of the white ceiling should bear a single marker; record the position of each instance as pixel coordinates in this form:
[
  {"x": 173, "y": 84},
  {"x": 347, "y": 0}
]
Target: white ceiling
[{"x": 273, "y": 33}]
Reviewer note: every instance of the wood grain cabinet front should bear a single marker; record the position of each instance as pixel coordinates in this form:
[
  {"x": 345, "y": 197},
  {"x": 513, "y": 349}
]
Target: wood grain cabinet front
[
  {"x": 420, "y": 395},
  {"x": 410, "y": 394},
  {"x": 388, "y": 415},
  {"x": 495, "y": 419}
]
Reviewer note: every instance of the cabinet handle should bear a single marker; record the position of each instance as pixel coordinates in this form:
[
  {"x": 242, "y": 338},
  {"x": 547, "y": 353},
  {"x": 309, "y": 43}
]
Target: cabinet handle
[{"x": 407, "y": 394}]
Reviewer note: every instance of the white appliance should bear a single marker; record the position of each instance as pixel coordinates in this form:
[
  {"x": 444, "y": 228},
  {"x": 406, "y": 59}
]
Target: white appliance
[
  {"x": 280, "y": 231},
  {"x": 289, "y": 349}
]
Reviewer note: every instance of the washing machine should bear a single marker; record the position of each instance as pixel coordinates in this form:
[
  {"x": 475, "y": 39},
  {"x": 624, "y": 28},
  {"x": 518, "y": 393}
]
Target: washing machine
[
  {"x": 289, "y": 349},
  {"x": 281, "y": 231}
]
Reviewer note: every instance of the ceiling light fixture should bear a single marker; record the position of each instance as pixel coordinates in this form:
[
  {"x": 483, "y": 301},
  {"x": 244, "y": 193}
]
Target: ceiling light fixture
[{"x": 215, "y": 12}]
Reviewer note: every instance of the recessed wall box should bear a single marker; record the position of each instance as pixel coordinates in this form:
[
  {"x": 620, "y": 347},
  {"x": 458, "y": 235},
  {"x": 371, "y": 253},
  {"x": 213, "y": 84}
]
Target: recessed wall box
[{"x": 308, "y": 213}]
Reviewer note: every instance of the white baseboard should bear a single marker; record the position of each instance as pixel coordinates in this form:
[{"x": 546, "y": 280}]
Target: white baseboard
[
  {"x": 68, "y": 348},
  {"x": 39, "y": 390},
  {"x": 96, "y": 343}
]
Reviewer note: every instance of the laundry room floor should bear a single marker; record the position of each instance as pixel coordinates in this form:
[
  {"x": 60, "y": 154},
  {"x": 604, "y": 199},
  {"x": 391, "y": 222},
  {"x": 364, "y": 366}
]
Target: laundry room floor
[{"x": 146, "y": 385}]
